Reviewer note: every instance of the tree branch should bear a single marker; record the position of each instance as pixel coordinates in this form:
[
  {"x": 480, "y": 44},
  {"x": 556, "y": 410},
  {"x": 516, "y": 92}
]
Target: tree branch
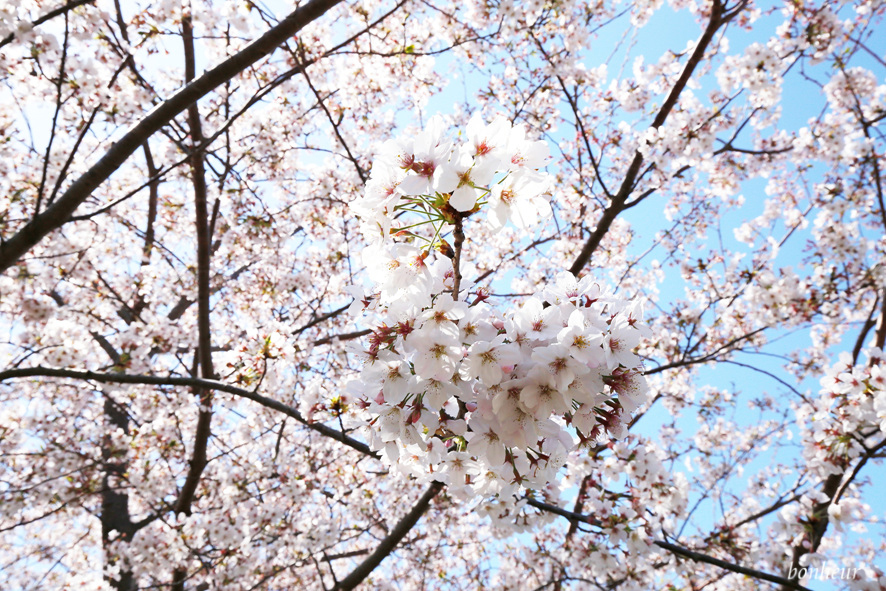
[
  {"x": 204, "y": 348},
  {"x": 59, "y": 212},
  {"x": 833, "y": 486},
  {"x": 617, "y": 205},
  {"x": 390, "y": 542},
  {"x": 679, "y": 550},
  {"x": 459, "y": 234},
  {"x": 335, "y": 125},
  {"x": 572, "y": 516},
  {"x": 119, "y": 378},
  {"x": 736, "y": 568}
]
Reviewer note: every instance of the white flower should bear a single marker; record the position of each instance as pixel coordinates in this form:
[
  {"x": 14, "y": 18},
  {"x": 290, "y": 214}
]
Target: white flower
[
  {"x": 541, "y": 396},
  {"x": 398, "y": 270},
  {"x": 518, "y": 199},
  {"x": 567, "y": 287},
  {"x": 488, "y": 143},
  {"x": 535, "y": 321},
  {"x": 523, "y": 154},
  {"x": 486, "y": 359},
  {"x": 428, "y": 167},
  {"x": 437, "y": 353},
  {"x": 473, "y": 176},
  {"x": 583, "y": 344},
  {"x": 445, "y": 313},
  {"x": 485, "y": 443},
  {"x": 457, "y": 466},
  {"x": 477, "y": 324},
  {"x": 618, "y": 343},
  {"x": 631, "y": 387},
  {"x": 492, "y": 480},
  {"x": 563, "y": 368}
]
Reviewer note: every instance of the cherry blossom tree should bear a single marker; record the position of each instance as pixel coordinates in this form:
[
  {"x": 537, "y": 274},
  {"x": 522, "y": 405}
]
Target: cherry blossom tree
[{"x": 432, "y": 294}]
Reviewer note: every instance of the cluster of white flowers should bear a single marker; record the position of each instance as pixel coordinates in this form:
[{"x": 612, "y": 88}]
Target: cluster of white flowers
[
  {"x": 843, "y": 424},
  {"x": 496, "y": 165},
  {"x": 758, "y": 70},
  {"x": 482, "y": 400},
  {"x": 853, "y": 402}
]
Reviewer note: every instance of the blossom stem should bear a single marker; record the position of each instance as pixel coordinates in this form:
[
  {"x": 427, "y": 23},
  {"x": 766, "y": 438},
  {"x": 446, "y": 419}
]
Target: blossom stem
[{"x": 459, "y": 235}]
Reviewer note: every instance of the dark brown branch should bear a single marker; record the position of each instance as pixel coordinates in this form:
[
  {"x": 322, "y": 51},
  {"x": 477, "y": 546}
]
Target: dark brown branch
[
  {"x": 59, "y": 212},
  {"x": 579, "y": 121},
  {"x": 572, "y": 516},
  {"x": 153, "y": 196},
  {"x": 204, "y": 349},
  {"x": 343, "y": 337},
  {"x": 736, "y": 568},
  {"x": 320, "y": 319},
  {"x": 617, "y": 205},
  {"x": 858, "y": 466},
  {"x": 256, "y": 98},
  {"x": 687, "y": 361},
  {"x": 817, "y": 524},
  {"x": 758, "y": 515},
  {"x": 115, "y": 515},
  {"x": 865, "y": 329},
  {"x": 880, "y": 337},
  {"x": 189, "y": 382},
  {"x": 579, "y": 505},
  {"x": 679, "y": 550},
  {"x": 390, "y": 542},
  {"x": 59, "y": 85}
]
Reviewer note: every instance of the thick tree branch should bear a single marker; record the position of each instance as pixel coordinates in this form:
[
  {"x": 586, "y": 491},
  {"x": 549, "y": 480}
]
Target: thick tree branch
[
  {"x": 390, "y": 542},
  {"x": 115, "y": 515},
  {"x": 114, "y": 378},
  {"x": 572, "y": 516},
  {"x": 459, "y": 241},
  {"x": 718, "y": 18},
  {"x": 736, "y": 568},
  {"x": 59, "y": 212},
  {"x": 679, "y": 550},
  {"x": 204, "y": 349},
  {"x": 343, "y": 337},
  {"x": 153, "y": 199}
]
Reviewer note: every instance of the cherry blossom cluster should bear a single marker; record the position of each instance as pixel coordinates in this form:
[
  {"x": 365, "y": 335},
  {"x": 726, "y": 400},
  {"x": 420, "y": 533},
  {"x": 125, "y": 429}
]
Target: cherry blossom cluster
[
  {"x": 661, "y": 492},
  {"x": 758, "y": 70},
  {"x": 849, "y": 416},
  {"x": 429, "y": 175},
  {"x": 483, "y": 400},
  {"x": 837, "y": 428}
]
